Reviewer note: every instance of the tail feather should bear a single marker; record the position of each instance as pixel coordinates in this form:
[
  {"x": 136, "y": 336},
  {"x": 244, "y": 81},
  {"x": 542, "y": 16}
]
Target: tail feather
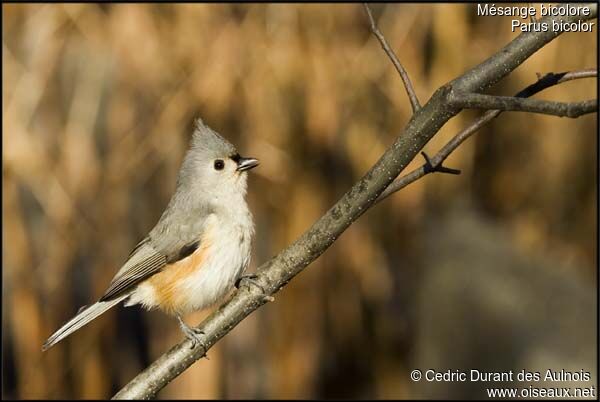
[{"x": 82, "y": 318}]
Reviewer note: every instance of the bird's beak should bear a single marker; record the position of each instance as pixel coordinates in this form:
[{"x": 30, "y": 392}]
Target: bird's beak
[{"x": 246, "y": 164}]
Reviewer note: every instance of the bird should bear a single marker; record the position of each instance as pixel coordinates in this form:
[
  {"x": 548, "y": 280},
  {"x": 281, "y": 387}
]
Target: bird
[{"x": 198, "y": 249}]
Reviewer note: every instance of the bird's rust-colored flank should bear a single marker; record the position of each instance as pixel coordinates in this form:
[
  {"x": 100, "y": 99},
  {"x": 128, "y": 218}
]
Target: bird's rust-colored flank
[{"x": 166, "y": 282}]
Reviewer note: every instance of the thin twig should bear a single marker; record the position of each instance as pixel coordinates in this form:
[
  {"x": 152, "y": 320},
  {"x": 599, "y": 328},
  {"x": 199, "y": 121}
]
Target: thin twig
[
  {"x": 414, "y": 101},
  {"x": 575, "y": 75},
  {"x": 544, "y": 82},
  {"x": 468, "y": 100}
]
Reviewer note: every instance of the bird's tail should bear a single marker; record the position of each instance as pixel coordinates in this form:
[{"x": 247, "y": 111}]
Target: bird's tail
[{"x": 83, "y": 317}]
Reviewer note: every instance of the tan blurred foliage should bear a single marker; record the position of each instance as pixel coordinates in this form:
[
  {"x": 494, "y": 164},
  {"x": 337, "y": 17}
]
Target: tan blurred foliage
[{"x": 98, "y": 105}]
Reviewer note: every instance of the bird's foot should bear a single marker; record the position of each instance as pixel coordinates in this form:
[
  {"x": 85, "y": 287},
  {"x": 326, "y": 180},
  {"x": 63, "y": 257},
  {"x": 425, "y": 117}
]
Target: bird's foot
[
  {"x": 193, "y": 334},
  {"x": 251, "y": 279}
]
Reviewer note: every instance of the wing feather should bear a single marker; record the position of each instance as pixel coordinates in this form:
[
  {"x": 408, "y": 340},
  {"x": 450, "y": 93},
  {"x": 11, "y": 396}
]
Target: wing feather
[{"x": 143, "y": 262}]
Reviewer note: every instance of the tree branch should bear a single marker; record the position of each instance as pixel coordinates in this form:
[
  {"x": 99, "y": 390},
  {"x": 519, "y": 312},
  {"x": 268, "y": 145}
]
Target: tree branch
[
  {"x": 514, "y": 104},
  {"x": 414, "y": 101},
  {"x": 277, "y": 272},
  {"x": 436, "y": 162}
]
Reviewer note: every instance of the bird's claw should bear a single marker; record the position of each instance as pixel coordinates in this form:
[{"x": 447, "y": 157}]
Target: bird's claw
[
  {"x": 193, "y": 334},
  {"x": 250, "y": 278}
]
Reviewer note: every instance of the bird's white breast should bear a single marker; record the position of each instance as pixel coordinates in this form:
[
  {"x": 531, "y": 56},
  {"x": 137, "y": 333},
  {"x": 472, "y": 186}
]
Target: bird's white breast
[{"x": 227, "y": 257}]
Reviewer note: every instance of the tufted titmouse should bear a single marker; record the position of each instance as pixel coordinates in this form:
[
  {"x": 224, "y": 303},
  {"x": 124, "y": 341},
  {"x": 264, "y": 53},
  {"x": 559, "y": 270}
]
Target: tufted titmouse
[{"x": 199, "y": 247}]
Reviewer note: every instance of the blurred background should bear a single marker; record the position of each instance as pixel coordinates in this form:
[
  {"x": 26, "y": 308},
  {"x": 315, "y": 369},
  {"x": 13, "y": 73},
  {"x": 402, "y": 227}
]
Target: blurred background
[{"x": 494, "y": 269}]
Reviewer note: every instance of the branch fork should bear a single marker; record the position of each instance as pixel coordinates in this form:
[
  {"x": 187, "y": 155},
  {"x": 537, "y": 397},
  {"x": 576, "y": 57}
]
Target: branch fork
[{"x": 428, "y": 167}]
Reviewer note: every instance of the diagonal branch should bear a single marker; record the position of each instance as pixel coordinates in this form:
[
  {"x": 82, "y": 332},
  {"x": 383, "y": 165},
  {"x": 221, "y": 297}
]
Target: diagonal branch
[
  {"x": 509, "y": 103},
  {"x": 414, "y": 101},
  {"x": 277, "y": 272},
  {"x": 546, "y": 81}
]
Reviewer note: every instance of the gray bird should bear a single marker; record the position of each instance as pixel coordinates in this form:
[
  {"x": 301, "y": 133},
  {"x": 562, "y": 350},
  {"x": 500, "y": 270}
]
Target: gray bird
[{"x": 199, "y": 247}]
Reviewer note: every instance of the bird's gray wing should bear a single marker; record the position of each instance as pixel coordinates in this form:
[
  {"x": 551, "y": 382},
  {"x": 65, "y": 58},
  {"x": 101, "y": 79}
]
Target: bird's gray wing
[
  {"x": 143, "y": 262},
  {"x": 174, "y": 237}
]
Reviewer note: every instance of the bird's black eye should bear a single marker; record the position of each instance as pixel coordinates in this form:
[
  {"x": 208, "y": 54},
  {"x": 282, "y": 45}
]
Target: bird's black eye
[{"x": 219, "y": 164}]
